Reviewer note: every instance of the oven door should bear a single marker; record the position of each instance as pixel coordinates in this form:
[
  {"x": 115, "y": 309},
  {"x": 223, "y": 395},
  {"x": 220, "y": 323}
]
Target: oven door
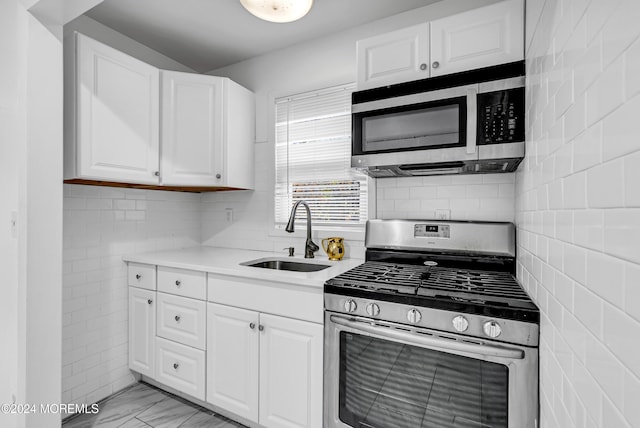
[{"x": 385, "y": 375}]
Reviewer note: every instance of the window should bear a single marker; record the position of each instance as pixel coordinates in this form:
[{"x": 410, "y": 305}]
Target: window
[{"x": 313, "y": 159}]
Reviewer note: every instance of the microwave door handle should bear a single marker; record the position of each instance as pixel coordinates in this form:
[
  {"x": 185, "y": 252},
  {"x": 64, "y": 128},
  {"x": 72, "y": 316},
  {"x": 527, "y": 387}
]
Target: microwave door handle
[
  {"x": 472, "y": 119},
  {"x": 431, "y": 342}
]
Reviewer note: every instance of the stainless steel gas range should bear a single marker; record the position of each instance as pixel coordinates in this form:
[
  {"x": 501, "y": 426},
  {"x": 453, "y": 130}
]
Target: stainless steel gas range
[{"x": 433, "y": 330}]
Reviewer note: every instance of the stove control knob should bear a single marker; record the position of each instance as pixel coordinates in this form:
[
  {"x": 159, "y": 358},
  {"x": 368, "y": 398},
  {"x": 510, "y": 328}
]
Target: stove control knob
[
  {"x": 492, "y": 329},
  {"x": 460, "y": 323},
  {"x": 414, "y": 316},
  {"x": 350, "y": 305},
  {"x": 373, "y": 309}
]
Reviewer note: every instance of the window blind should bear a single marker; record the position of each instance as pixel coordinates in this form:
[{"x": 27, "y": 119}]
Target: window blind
[{"x": 313, "y": 159}]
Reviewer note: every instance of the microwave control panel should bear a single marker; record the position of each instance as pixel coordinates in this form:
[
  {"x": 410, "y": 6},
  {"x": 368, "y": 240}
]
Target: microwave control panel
[{"x": 501, "y": 116}]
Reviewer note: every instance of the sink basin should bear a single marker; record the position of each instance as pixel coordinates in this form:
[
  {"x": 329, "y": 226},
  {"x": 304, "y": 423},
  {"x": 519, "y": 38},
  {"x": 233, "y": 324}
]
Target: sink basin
[{"x": 278, "y": 264}]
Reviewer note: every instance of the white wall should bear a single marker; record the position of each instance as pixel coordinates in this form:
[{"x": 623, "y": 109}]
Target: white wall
[
  {"x": 30, "y": 173},
  {"x": 303, "y": 67},
  {"x": 578, "y": 209},
  {"x": 13, "y": 50},
  {"x": 101, "y": 225}
]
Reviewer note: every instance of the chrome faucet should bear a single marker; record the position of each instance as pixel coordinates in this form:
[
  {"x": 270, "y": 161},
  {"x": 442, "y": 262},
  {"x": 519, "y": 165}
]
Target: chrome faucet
[{"x": 310, "y": 247}]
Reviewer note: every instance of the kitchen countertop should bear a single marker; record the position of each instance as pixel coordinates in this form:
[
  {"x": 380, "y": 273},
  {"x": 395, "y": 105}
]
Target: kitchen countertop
[{"x": 226, "y": 261}]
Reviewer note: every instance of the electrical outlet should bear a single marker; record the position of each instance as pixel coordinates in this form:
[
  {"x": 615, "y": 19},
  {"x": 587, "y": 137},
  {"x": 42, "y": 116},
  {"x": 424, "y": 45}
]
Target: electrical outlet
[
  {"x": 229, "y": 215},
  {"x": 443, "y": 214},
  {"x": 14, "y": 224}
]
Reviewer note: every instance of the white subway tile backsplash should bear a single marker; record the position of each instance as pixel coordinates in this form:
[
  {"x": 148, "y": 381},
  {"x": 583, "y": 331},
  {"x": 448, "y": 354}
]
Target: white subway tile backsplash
[
  {"x": 622, "y": 233},
  {"x": 577, "y": 197},
  {"x": 620, "y": 332},
  {"x": 606, "y": 370},
  {"x": 605, "y": 277},
  {"x": 632, "y": 290},
  {"x": 631, "y": 184},
  {"x": 101, "y": 225},
  {"x": 631, "y": 392},
  {"x": 620, "y": 130}
]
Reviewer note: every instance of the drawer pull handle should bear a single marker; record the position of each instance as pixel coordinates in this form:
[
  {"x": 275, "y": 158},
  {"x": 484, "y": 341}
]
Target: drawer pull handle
[
  {"x": 177, "y": 318},
  {"x": 252, "y": 325},
  {"x": 138, "y": 276},
  {"x": 261, "y": 327},
  {"x": 149, "y": 301},
  {"x": 175, "y": 366},
  {"x": 178, "y": 283}
]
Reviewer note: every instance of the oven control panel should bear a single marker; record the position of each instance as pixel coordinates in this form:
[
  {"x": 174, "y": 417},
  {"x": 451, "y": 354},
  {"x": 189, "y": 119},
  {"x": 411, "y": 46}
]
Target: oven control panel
[{"x": 432, "y": 230}]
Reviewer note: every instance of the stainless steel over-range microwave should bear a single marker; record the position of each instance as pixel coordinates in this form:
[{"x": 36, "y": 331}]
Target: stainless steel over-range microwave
[{"x": 464, "y": 123}]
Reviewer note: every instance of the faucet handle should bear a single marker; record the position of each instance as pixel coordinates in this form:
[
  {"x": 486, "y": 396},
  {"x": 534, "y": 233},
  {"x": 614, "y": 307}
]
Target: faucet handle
[{"x": 291, "y": 250}]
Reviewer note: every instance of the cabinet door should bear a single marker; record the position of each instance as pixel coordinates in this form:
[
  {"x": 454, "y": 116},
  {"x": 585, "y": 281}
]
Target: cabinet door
[
  {"x": 482, "y": 37},
  {"x": 232, "y": 359},
  {"x": 395, "y": 57},
  {"x": 290, "y": 373},
  {"x": 192, "y": 129},
  {"x": 142, "y": 325},
  {"x": 117, "y": 115}
]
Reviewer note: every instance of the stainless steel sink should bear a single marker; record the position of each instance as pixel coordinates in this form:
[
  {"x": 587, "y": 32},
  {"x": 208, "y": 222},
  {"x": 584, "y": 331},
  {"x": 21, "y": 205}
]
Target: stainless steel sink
[{"x": 278, "y": 264}]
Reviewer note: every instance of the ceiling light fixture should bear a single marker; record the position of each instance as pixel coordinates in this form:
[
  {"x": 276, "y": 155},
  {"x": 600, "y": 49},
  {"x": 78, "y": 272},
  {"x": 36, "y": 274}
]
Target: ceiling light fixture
[{"x": 278, "y": 10}]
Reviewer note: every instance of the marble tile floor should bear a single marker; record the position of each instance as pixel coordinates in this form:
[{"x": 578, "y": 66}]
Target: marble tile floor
[{"x": 144, "y": 406}]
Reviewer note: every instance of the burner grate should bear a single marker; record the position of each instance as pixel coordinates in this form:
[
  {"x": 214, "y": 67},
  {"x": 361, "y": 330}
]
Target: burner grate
[
  {"x": 476, "y": 282},
  {"x": 438, "y": 282},
  {"x": 380, "y": 276}
]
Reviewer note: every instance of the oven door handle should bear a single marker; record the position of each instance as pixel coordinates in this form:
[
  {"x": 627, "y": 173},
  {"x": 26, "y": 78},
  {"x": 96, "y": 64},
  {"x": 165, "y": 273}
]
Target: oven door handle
[{"x": 431, "y": 342}]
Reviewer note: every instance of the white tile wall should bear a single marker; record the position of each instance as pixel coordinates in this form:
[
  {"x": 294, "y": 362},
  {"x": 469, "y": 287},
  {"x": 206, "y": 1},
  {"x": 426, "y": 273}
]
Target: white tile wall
[
  {"x": 468, "y": 197},
  {"x": 101, "y": 224},
  {"x": 577, "y": 209}
]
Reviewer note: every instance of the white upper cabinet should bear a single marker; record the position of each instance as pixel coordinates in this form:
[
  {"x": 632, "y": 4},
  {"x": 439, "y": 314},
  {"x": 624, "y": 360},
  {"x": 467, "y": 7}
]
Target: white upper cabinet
[
  {"x": 479, "y": 38},
  {"x": 123, "y": 124},
  {"x": 191, "y": 128},
  {"x": 207, "y": 131},
  {"x": 394, "y": 57},
  {"x": 117, "y": 118}
]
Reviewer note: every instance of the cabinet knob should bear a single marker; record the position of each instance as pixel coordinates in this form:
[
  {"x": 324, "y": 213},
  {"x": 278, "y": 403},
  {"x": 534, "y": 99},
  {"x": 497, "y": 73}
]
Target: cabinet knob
[
  {"x": 261, "y": 327},
  {"x": 138, "y": 276},
  {"x": 175, "y": 366},
  {"x": 423, "y": 66},
  {"x": 435, "y": 64},
  {"x": 178, "y": 283},
  {"x": 156, "y": 173},
  {"x": 252, "y": 325},
  {"x": 177, "y": 318},
  {"x": 218, "y": 176},
  {"x": 149, "y": 301}
]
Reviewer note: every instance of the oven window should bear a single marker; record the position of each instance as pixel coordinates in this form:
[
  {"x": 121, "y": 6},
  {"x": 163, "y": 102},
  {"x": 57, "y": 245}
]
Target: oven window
[{"x": 385, "y": 384}]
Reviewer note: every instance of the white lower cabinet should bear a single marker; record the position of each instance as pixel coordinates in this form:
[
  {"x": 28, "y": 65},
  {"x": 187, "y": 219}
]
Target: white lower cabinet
[
  {"x": 180, "y": 367},
  {"x": 232, "y": 359},
  {"x": 290, "y": 373},
  {"x": 265, "y": 368},
  {"x": 142, "y": 330}
]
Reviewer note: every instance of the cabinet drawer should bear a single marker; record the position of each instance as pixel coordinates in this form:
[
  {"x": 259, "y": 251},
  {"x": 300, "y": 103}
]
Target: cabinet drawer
[
  {"x": 142, "y": 275},
  {"x": 187, "y": 283},
  {"x": 180, "y": 367},
  {"x": 182, "y": 319}
]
